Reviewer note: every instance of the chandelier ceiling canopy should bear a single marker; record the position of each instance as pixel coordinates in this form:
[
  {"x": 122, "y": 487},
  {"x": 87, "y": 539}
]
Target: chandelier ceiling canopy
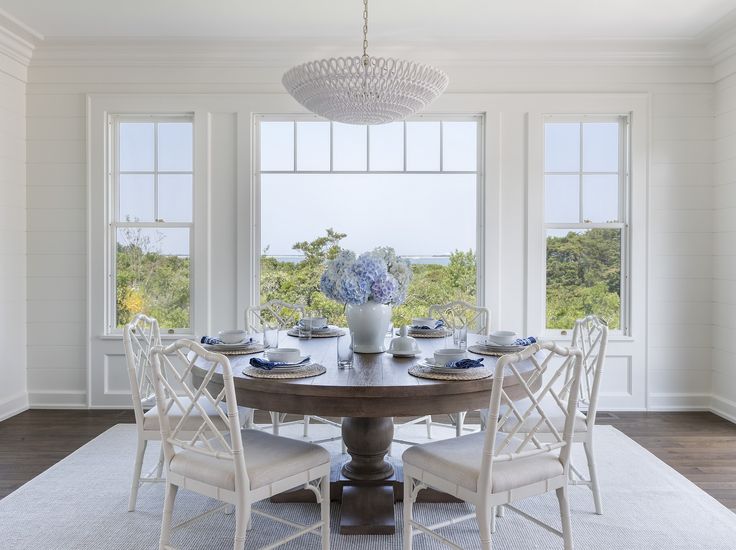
[{"x": 365, "y": 89}]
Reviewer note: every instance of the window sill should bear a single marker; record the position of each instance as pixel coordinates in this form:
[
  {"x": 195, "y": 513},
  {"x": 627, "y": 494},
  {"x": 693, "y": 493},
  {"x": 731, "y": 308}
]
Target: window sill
[
  {"x": 171, "y": 337},
  {"x": 556, "y": 337}
]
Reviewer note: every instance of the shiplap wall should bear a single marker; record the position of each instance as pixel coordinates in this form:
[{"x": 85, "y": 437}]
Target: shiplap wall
[
  {"x": 724, "y": 246},
  {"x": 681, "y": 171},
  {"x": 13, "y": 396}
]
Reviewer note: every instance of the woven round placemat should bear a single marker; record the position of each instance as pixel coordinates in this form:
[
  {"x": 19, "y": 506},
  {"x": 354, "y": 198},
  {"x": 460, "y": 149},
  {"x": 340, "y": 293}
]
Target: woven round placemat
[
  {"x": 314, "y": 369},
  {"x": 247, "y": 351},
  {"x": 425, "y": 371},
  {"x": 324, "y": 334},
  {"x": 480, "y": 350},
  {"x": 429, "y": 333}
]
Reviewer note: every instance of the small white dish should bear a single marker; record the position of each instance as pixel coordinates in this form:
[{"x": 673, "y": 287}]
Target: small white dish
[
  {"x": 445, "y": 355},
  {"x": 502, "y": 337},
  {"x": 315, "y": 323},
  {"x": 287, "y": 355},
  {"x": 234, "y": 336}
]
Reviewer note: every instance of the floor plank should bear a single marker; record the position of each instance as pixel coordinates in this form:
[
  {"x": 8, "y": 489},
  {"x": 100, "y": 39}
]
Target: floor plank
[{"x": 699, "y": 445}]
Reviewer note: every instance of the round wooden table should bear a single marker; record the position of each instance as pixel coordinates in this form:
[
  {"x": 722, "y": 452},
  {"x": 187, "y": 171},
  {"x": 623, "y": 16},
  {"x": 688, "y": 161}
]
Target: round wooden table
[{"x": 367, "y": 396}]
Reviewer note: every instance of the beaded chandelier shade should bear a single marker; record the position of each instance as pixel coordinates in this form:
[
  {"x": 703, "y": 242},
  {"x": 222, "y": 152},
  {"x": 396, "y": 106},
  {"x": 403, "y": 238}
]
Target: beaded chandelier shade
[{"x": 364, "y": 90}]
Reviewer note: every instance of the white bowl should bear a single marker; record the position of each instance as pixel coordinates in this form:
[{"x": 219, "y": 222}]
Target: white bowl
[
  {"x": 423, "y": 321},
  {"x": 503, "y": 337},
  {"x": 313, "y": 322},
  {"x": 234, "y": 336},
  {"x": 444, "y": 356},
  {"x": 287, "y": 355}
]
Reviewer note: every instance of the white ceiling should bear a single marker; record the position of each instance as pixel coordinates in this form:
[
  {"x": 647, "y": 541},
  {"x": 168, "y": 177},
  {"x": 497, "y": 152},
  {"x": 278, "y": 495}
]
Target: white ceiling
[{"x": 404, "y": 20}]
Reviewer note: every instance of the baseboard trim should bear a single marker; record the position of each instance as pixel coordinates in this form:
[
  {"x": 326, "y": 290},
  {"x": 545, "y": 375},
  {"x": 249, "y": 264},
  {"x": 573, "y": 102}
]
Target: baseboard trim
[
  {"x": 725, "y": 408},
  {"x": 679, "y": 402},
  {"x": 14, "y": 405},
  {"x": 57, "y": 400}
]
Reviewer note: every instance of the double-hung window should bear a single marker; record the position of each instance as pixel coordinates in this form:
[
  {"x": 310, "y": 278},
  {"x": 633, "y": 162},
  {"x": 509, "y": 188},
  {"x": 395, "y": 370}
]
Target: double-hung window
[
  {"x": 586, "y": 177},
  {"x": 411, "y": 185},
  {"x": 151, "y": 220}
]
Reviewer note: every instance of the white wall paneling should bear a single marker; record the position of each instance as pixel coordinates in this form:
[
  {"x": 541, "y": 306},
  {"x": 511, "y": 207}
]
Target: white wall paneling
[
  {"x": 678, "y": 276},
  {"x": 13, "y": 392}
]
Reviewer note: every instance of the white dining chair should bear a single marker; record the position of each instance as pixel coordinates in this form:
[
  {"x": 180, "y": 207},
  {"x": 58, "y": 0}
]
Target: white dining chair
[
  {"x": 496, "y": 467},
  {"x": 140, "y": 336},
  {"x": 454, "y": 314},
  {"x": 237, "y": 467},
  {"x": 284, "y": 315}
]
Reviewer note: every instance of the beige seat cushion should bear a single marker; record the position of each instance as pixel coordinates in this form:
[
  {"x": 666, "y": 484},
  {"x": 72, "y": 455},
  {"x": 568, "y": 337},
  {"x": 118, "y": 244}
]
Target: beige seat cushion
[
  {"x": 268, "y": 458},
  {"x": 458, "y": 460},
  {"x": 193, "y": 421}
]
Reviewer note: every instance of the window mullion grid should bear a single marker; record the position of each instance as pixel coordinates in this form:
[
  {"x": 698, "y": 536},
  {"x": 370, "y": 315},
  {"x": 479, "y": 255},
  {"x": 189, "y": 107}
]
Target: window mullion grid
[
  {"x": 442, "y": 154},
  {"x": 580, "y": 177},
  {"x": 367, "y": 148},
  {"x": 332, "y": 146},
  {"x": 404, "y": 125},
  {"x": 155, "y": 172},
  {"x": 295, "y": 123}
]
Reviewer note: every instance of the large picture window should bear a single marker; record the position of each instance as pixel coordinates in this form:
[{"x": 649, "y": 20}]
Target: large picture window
[
  {"x": 585, "y": 197},
  {"x": 152, "y": 188},
  {"x": 411, "y": 185}
]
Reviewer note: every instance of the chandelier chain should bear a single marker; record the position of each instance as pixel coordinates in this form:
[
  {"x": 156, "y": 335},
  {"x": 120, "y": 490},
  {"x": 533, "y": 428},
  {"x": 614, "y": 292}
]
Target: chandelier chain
[{"x": 365, "y": 32}]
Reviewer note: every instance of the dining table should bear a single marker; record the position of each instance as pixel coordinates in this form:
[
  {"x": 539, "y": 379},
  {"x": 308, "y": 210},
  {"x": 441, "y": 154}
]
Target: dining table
[{"x": 367, "y": 396}]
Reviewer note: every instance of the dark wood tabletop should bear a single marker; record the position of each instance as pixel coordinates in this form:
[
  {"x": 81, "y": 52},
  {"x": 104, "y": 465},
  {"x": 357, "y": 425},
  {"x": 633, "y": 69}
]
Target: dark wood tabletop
[{"x": 378, "y": 385}]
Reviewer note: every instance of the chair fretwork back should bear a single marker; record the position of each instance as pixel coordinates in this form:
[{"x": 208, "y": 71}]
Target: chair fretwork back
[
  {"x": 140, "y": 336},
  {"x": 195, "y": 430},
  {"x": 545, "y": 379},
  {"x": 590, "y": 335},
  {"x": 458, "y": 314},
  {"x": 273, "y": 313}
]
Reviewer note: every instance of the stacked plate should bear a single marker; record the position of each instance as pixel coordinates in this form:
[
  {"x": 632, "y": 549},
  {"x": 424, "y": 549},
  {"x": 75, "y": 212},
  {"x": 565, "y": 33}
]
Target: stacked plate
[
  {"x": 240, "y": 347},
  {"x": 294, "y": 366},
  {"x": 490, "y": 345},
  {"x": 429, "y": 362},
  {"x": 428, "y": 332}
]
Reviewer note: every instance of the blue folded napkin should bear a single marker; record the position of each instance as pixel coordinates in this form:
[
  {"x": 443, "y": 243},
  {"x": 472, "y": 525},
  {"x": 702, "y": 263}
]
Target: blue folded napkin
[
  {"x": 265, "y": 364},
  {"x": 465, "y": 363},
  {"x": 210, "y": 341},
  {"x": 525, "y": 341},
  {"x": 439, "y": 324}
]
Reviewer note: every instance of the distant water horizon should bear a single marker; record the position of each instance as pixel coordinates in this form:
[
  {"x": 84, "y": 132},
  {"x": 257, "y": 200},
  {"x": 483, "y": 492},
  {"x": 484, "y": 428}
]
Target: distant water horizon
[{"x": 423, "y": 260}]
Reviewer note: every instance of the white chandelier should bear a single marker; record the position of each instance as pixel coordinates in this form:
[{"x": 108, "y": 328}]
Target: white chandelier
[{"x": 364, "y": 90}]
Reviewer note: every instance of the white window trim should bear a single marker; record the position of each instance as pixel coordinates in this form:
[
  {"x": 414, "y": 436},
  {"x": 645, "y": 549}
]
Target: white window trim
[
  {"x": 623, "y": 216},
  {"x": 256, "y": 245},
  {"x": 101, "y": 108},
  {"x": 636, "y": 106},
  {"x": 113, "y": 183}
]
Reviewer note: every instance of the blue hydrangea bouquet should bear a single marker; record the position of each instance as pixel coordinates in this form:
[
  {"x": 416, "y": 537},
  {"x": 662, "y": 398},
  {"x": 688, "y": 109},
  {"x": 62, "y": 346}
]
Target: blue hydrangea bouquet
[
  {"x": 369, "y": 285},
  {"x": 379, "y": 276}
]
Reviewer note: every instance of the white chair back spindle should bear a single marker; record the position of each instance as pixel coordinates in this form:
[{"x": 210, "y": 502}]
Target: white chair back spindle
[
  {"x": 140, "y": 336},
  {"x": 509, "y": 436},
  {"x": 459, "y": 313},
  {"x": 178, "y": 433},
  {"x": 590, "y": 335},
  {"x": 273, "y": 313}
]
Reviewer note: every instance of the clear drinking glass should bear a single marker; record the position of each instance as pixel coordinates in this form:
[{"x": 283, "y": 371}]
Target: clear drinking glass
[
  {"x": 270, "y": 336},
  {"x": 304, "y": 330},
  {"x": 345, "y": 351},
  {"x": 460, "y": 337}
]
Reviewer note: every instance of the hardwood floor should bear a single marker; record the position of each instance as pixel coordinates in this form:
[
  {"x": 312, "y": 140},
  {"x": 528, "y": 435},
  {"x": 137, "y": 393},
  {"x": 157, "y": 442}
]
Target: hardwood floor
[{"x": 701, "y": 446}]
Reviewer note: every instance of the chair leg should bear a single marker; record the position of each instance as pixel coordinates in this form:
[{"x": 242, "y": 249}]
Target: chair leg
[
  {"x": 275, "y": 422},
  {"x": 169, "y": 497},
  {"x": 408, "y": 505},
  {"x": 459, "y": 424},
  {"x": 494, "y": 514},
  {"x": 139, "y": 454},
  {"x": 242, "y": 518},
  {"x": 484, "y": 517},
  {"x": 324, "y": 486},
  {"x": 306, "y": 426},
  {"x": 160, "y": 466},
  {"x": 565, "y": 517},
  {"x": 588, "y": 446},
  {"x": 500, "y": 511},
  {"x": 428, "y": 422}
]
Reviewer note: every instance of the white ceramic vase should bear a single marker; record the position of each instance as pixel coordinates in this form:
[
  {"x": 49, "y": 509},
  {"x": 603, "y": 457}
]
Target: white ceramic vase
[{"x": 368, "y": 324}]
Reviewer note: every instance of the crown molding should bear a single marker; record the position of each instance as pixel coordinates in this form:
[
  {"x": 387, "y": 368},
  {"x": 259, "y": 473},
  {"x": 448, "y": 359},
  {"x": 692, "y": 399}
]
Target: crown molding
[
  {"x": 17, "y": 40},
  {"x": 720, "y": 38},
  {"x": 267, "y": 53}
]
